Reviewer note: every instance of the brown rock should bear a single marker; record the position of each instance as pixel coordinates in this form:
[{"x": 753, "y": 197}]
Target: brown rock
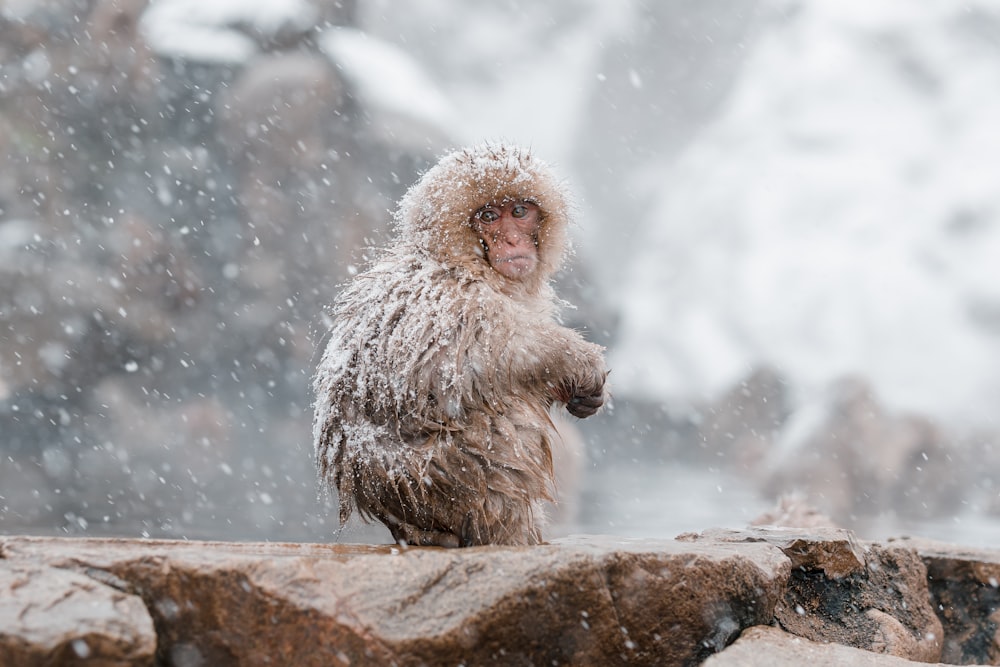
[
  {"x": 56, "y": 617},
  {"x": 833, "y": 551},
  {"x": 579, "y": 601},
  {"x": 860, "y": 457},
  {"x": 771, "y": 647},
  {"x": 793, "y": 511},
  {"x": 276, "y": 116},
  {"x": 965, "y": 592},
  {"x": 741, "y": 426},
  {"x": 575, "y": 601},
  {"x": 867, "y": 596}
]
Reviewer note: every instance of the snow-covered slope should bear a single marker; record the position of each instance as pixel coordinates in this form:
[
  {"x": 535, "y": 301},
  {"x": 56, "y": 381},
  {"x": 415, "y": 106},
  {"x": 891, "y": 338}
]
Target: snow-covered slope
[
  {"x": 841, "y": 215},
  {"x": 216, "y": 30}
]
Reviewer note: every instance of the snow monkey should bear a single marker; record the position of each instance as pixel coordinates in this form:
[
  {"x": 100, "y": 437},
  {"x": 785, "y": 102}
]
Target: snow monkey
[{"x": 444, "y": 358}]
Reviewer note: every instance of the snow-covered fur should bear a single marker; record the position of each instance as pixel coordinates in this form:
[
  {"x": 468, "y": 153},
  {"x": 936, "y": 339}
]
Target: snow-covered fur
[
  {"x": 433, "y": 393},
  {"x": 434, "y": 214}
]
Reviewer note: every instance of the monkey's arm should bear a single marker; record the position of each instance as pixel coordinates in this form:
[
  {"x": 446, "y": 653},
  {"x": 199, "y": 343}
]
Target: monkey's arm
[
  {"x": 583, "y": 389},
  {"x": 561, "y": 363}
]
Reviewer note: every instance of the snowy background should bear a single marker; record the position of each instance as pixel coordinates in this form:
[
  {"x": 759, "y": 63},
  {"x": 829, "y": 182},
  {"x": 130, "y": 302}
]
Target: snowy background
[{"x": 789, "y": 213}]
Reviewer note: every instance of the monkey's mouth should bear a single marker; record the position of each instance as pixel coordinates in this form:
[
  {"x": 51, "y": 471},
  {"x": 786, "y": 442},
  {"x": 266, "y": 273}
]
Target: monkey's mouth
[{"x": 515, "y": 265}]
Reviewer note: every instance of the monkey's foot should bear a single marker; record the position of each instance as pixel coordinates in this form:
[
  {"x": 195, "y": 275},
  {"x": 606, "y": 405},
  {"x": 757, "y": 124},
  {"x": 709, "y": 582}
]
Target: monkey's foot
[{"x": 405, "y": 533}]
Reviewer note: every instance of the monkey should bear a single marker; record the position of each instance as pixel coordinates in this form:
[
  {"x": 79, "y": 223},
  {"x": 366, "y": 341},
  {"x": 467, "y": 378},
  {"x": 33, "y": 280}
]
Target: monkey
[{"x": 445, "y": 355}]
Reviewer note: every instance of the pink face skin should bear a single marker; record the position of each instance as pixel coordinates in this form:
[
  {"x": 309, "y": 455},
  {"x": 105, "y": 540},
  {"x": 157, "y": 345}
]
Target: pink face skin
[{"x": 509, "y": 234}]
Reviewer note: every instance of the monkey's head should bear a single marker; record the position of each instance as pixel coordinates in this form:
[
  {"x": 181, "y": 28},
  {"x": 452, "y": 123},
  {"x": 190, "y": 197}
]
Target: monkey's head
[{"x": 493, "y": 209}]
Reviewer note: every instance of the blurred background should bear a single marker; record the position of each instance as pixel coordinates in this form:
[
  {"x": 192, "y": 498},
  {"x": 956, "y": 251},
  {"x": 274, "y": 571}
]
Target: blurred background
[{"x": 788, "y": 232}]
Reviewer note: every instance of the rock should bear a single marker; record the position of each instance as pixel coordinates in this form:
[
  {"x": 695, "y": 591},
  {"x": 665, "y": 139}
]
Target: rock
[
  {"x": 792, "y": 511},
  {"x": 771, "y": 647},
  {"x": 741, "y": 426},
  {"x": 576, "y": 601},
  {"x": 850, "y": 450},
  {"x": 57, "y": 617},
  {"x": 965, "y": 590},
  {"x": 830, "y": 599},
  {"x": 867, "y": 596}
]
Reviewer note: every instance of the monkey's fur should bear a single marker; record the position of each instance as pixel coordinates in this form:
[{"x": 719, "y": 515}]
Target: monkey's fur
[{"x": 433, "y": 394}]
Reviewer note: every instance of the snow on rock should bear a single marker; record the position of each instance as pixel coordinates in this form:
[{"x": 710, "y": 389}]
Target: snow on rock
[
  {"x": 840, "y": 215},
  {"x": 386, "y": 77},
  {"x": 532, "y": 89},
  {"x": 51, "y": 616},
  {"x": 211, "y": 31}
]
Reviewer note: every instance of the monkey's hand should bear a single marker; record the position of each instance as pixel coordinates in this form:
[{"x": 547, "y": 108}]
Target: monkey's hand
[{"x": 586, "y": 398}]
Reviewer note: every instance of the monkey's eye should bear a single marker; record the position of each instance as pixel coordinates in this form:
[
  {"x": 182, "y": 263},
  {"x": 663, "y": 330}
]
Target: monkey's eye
[
  {"x": 488, "y": 215},
  {"x": 519, "y": 211}
]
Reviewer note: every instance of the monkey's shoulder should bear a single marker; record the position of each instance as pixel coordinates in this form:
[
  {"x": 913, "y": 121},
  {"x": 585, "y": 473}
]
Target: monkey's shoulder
[{"x": 415, "y": 286}]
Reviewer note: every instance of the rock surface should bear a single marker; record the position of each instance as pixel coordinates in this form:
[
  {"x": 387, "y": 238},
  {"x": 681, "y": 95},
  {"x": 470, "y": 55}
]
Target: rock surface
[
  {"x": 868, "y": 596},
  {"x": 51, "y": 616},
  {"x": 764, "y": 646},
  {"x": 829, "y": 598},
  {"x": 965, "y": 589},
  {"x": 581, "y": 601}
]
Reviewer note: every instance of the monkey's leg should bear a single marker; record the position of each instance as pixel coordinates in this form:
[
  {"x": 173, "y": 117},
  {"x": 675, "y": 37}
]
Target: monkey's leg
[{"x": 410, "y": 534}]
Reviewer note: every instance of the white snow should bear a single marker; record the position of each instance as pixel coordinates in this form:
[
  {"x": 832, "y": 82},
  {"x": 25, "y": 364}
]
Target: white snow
[
  {"x": 506, "y": 70},
  {"x": 839, "y": 216},
  {"x": 207, "y": 30},
  {"x": 386, "y": 77}
]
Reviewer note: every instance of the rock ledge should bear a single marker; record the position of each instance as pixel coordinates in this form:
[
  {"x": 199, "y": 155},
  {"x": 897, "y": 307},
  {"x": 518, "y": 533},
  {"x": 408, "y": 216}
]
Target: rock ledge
[{"x": 579, "y": 601}]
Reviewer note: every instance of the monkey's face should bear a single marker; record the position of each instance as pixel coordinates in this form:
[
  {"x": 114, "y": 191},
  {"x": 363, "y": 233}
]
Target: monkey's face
[{"x": 508, "y": 233}]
